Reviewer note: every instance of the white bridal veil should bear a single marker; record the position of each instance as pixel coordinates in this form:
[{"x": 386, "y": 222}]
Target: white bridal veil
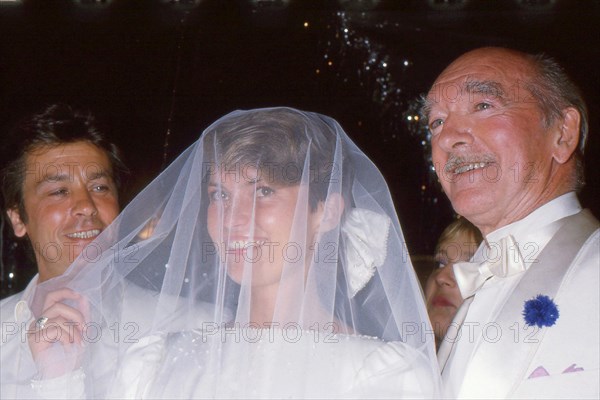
[{"x": 266, "y": 261}]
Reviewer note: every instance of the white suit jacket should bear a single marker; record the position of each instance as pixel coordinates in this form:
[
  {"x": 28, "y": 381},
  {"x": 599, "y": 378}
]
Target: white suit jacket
[
  {"x": 514, "y": 360},
  {"x": 15, "y": 318}
]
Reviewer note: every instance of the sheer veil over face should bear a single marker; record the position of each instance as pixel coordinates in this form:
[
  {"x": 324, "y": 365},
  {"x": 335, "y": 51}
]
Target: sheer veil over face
[{"x": 270, "y": 247}]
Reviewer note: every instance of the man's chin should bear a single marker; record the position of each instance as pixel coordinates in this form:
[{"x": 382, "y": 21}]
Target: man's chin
[
  {"x": 472, "y": 202},
  {"x": 52, "y": 271}
]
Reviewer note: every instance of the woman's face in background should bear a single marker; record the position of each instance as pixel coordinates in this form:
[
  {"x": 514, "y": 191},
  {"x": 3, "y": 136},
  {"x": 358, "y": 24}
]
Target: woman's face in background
[{"x": 442, "y": 294}]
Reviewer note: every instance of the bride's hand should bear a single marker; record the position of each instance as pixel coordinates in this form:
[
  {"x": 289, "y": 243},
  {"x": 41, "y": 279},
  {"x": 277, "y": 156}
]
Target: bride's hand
[{"x": 56, "y": 337}]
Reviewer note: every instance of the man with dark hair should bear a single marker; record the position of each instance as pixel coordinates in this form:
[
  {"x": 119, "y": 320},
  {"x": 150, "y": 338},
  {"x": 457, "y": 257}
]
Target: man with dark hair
[
  {"x": 60, "y": 187},
  {"x": 60, "y": 191},
  {"x": 508, "y": 131}
]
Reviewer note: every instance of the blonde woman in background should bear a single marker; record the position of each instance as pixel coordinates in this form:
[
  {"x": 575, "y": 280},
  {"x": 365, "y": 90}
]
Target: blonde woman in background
[{"x": 457, "y": 243}]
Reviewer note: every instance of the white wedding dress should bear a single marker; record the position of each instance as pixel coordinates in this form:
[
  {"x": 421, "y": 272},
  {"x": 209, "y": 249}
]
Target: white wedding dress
[{"x": 299, "y": 364}]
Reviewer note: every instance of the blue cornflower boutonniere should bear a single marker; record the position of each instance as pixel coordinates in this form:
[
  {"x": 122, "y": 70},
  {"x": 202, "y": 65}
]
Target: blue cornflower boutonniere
[{"x": 540, "y": 311}]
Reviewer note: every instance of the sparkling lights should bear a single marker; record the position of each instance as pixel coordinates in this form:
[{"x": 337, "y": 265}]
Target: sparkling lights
[
  {"x": 358, "y": 55},
  {"x": 358, "y": 51}
]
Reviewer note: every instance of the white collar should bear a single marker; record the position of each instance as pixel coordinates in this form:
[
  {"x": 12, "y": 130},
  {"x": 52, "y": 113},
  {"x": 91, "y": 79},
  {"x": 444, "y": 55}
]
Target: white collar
[
  {"x": 560, "y": 207},
  {"x": 534, "y": 231}
]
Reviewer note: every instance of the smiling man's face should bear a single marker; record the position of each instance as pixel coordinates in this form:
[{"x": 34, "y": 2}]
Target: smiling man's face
[
  {"x": 490, "y": 145},
  {"x": 70, "y": 198}
]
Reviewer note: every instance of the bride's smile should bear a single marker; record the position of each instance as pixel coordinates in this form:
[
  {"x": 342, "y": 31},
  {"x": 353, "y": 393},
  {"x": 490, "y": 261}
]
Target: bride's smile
[{"x": 251, "y": 219}]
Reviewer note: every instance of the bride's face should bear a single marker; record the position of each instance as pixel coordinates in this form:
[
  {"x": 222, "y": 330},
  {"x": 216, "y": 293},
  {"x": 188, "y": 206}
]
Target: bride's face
[{"x": 251, "y": 220}]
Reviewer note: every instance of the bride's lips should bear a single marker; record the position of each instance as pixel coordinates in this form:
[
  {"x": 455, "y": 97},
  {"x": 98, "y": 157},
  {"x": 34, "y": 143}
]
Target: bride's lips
[
  {"x": 243, "y": 247},
  {"x": 243, "y": 244},
  {"x": 441, "y": 301}
]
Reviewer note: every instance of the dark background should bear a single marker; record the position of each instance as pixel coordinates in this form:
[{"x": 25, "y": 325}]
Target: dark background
[{"x": 157, "y": 72}]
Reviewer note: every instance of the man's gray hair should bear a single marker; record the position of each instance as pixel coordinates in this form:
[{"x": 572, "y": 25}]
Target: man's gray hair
[{"x": 555, "y": 91}]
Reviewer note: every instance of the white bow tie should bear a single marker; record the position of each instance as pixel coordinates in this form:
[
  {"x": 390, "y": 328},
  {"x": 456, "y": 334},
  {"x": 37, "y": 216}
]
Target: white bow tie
[{"x": 470, "y": 276}]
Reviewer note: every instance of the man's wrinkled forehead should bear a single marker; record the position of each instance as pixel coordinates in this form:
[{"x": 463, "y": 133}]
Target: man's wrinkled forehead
[
  {"x": 473, "y": 88},
  {"x": 467, "y": 89},
  {"x": 489, "y": 76}
]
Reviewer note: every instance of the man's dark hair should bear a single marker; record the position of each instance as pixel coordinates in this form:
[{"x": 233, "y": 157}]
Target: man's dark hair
[{"x": 58, "y": 124}]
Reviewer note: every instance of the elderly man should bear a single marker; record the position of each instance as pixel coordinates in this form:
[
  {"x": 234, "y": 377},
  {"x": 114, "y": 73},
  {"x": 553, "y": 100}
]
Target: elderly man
[{"x": 508, "y": 131}]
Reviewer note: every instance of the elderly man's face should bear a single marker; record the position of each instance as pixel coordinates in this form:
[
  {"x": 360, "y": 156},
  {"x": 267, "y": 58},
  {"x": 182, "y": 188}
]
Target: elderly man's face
[
  {"x": 70, "y": 198},
  {"x": 490, "y": 145}
]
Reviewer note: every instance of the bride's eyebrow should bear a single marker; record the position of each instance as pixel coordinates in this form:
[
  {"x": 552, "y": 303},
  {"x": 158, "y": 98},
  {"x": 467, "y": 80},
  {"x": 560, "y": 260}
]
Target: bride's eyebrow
[{"x": 253, "y": 181}]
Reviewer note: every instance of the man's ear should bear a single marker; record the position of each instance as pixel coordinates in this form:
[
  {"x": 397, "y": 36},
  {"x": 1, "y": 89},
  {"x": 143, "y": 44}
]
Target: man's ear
[
  {"x": 17, "y": 224},
  {"x": 333, "y": 209},
  {"x": 566, "y": 136}
]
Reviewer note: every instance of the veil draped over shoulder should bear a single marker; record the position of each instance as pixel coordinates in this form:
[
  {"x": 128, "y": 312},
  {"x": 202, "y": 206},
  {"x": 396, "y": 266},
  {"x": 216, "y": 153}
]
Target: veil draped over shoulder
[{"x": 266, "y": 261}]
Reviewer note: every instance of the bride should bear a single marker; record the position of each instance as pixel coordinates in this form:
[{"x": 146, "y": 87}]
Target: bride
[{"x": 283, "y": 233}]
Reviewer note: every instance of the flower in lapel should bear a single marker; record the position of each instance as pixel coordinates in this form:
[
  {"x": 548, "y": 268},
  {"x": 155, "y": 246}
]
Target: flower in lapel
[{"x": 540, "y": 311}]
